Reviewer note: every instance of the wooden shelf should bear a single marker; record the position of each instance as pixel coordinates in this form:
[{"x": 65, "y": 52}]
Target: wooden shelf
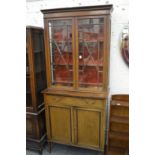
[
  {"x": 38, "y": 51},
  {"x": 40, "y": 71},
  {"x": 62, "y": 82},
  {"x": 60, "y": 41},
  {"x": 90, "y": 65},
  {"x": 27, "y": 75},
  {"x": 120, "y": 103},
  {"x": 91, "y": 41},
  {"x": 62, "y": 64},
  {"x": 28, "y": 92},
  {"x": 117, "y": 119},
  {"x": 119, "y": 136},
  {"x": 116, "y": 151},
  {"x": 94, "y": 84}
]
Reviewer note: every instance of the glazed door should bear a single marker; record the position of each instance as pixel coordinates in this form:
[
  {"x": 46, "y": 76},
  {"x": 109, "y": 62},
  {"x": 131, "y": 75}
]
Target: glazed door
[
  {"x": 39, "y": 65},
  {"x": 60, "y": 122},
  {"x": 60, "y": 32},
  {"x": 30, "y": 85},
  {"x": 90, "y": 48},
  {"x": 87, "y": 125}
]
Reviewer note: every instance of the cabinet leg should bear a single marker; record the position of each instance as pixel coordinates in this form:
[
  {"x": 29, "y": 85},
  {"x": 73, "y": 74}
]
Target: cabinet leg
[
  {"x": 49, "y": 147},
  {"x": 102, "y": 153}
]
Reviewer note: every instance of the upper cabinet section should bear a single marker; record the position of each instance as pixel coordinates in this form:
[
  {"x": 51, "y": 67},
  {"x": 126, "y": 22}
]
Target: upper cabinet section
[{"x": 77, "y": 47}]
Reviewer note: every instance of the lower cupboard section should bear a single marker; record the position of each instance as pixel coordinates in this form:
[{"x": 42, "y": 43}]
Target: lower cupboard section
[{"x": 78, "y": 126}]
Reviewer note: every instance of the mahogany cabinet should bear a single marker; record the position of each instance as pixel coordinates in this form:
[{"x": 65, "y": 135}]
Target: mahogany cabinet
[
  {"x": 77, "y": 42},
  {"x": 35, "y": 83},
  {"x": 118, "y": 136}
]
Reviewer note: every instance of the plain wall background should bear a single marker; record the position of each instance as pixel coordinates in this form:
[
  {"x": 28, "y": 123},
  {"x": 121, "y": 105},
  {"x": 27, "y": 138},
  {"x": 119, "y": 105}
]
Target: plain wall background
[{"x": 119, "y": 72}]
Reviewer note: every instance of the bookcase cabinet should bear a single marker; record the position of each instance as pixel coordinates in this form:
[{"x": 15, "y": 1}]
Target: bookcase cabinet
[
  {"x": 35, "y": 83},
  {"x": 77, "y": 42}
]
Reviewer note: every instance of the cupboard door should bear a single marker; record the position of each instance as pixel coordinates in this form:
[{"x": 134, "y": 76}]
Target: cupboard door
[
  {"x": 87, "y": 127},
  {"x": 60, "y": 122}
]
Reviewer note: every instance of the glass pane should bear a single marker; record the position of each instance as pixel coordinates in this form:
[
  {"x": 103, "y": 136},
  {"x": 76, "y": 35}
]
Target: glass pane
[
  {"x": 39, "y": 62},
  {"x": 37, "y": 42},
  {"x": 91, "y": 43},
  {"x": 60, "y": 34},
  {"x": 28, "y": 88}
]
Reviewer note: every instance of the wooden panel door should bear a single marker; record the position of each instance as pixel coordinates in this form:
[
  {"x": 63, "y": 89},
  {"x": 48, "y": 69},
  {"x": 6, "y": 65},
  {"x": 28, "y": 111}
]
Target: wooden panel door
[
  {"x": 60, "y": 121},
  {"x": 88, "y": 124}
]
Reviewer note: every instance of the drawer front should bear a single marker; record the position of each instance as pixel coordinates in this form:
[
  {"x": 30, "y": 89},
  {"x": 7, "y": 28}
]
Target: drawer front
[{"x": 74, "y": 101}]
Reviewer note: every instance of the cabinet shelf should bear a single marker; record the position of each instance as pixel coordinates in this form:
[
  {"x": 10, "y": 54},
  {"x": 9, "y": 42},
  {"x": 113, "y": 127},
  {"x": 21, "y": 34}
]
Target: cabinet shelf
[
  {"x": 38, "y": 51},
  {"x": 63, "y": 82},
  {"x": 60, "y": 41},
  {"x": 94, "y": 84},
  {"x": 91, "y": 65},
  {"x": 119, "y": 136},
  {"x": 54, "y": 64},
  {"x": 28, "y": 75},
  {"x": 120, "y": 103},
  {"x": 39, "y": 71},
  {"x": 118, "y": 119},
  {"x": 91, "y": 41},
  {"x": 80, "y": 41},
  {"x": 28, "y": 92},
  {"x": 116, "y": 150}
]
